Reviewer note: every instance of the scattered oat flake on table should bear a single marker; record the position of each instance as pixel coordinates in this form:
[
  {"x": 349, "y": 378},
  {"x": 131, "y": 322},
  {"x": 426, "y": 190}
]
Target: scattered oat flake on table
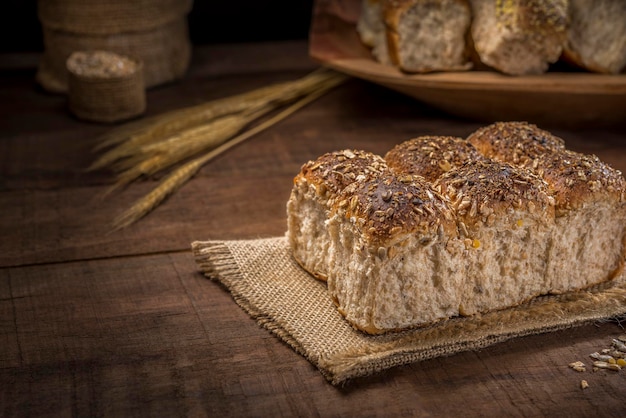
[
  {"x": 579, "y": 366},
  {"x": 606, "y": 365},
  {"x": 584, "y": 384},
  {"x": 602, "y": 357}
]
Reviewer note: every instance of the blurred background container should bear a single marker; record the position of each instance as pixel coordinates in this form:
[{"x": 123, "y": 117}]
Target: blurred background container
[
  {"x": 210, "y": 21},
  {"x": 152, "y": 31}
]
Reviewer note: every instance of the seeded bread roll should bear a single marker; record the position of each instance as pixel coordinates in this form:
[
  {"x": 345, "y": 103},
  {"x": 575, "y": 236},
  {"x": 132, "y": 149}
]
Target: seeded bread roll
[
  {"x": 596, "y": 36},
  {"x": 589, "y": 241},
  {"x": 427, "y": 35},
  {"x": 308, "y": 206},
  {"x": 514, "y": 142},
  {"x": 590, "y": 227},
  {"x": 505, "y": 216},
  {"x": 431, "y": 156},
  {"x": 392, "y": 263},
  {"x": 519, "y": 37}
]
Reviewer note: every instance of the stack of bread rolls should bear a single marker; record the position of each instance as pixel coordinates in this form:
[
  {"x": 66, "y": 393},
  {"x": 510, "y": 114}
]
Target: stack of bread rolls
[
  {"x": 515, "y": 37},
  {"x": 443, "y": 226}
]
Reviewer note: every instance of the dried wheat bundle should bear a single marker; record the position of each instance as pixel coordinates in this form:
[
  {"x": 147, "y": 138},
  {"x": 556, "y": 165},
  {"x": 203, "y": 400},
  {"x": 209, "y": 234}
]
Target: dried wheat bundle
[{"x": 192, "y": 136}]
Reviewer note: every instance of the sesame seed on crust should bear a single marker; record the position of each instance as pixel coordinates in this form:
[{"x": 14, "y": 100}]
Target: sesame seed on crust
[
  {"x": 481, "y": 190},
  {"x": 517, "y": 143},
  {"x": 391, "y": 205},
  {"x": 431, "y": 156},
  {"x": 576, "y": 179}
]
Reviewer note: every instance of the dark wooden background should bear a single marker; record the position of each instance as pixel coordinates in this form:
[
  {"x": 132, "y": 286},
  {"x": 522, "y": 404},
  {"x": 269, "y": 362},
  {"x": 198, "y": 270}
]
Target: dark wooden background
[{"x": 210, "y": 22}]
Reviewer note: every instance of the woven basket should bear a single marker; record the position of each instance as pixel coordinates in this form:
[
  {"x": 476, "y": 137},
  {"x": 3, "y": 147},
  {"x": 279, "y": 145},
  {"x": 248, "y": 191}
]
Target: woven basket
[
  {"x": 153, "y": 31},
  {"x": 106, "y": 98}
]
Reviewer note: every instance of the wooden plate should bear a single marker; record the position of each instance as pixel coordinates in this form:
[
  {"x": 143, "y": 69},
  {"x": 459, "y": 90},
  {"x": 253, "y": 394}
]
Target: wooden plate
[{"x": 554, "y": 98}]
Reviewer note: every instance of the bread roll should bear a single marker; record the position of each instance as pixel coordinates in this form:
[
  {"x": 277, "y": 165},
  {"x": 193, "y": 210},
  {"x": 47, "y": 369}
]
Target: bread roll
[
  {"x": 427, "y": 35},
  {"x": 590, "y": 227},
  {"x": 505, "y": 216},
  {"x": 596, "y": 36},
  {"x": 431, "y": 156},
  {"x": 391, "y": 266},
  {"x": 519, "y": 37},
  {"x": 370, "y": 24},
  {"x": 514, "y": 142},
  {"x": 316, "y": 184}
]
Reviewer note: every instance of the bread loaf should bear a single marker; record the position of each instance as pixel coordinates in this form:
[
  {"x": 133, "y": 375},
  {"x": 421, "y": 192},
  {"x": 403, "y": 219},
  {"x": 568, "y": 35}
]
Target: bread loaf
[
  {"x": 442, "y": 228},
  {"x": 596, "y": 35}
]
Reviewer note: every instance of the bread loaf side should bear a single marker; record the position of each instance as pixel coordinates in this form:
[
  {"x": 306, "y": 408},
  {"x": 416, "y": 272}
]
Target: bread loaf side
[
  {"x": 427, "y": 35},
  {"x": 596, "y": 35}
]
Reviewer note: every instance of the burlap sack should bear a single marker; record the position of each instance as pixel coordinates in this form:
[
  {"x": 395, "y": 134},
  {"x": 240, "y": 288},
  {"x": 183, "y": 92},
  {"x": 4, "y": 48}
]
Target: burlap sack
[
  {"x": 164, "y": 48},
  {"x": 270, "y": 286},
  {"x": 109, "y": 17},
  {"x": 107, "y": 98}
]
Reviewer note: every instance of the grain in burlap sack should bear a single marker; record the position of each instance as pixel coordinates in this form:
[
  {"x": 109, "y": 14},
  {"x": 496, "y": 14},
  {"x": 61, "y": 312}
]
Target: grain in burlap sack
[
  {"x": 153, "y": 31},
  {"x": 108, "y": 17},
  {"x": 106, "y": 97}
]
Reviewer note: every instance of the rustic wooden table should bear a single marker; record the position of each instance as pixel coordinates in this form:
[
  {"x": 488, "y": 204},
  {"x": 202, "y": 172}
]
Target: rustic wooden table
[{"x": 94, "y": 323}]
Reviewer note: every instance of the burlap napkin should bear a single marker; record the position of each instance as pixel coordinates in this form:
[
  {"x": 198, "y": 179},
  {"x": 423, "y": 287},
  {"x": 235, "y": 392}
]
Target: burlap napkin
[{"x": 270, "y": 286}]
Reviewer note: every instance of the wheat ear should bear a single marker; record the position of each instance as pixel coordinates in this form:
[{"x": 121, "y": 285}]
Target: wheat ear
[
  {"x": 127, "y": 139},
  {"x": 180, "y": 176},
  {"x": 157, "y": 157}
]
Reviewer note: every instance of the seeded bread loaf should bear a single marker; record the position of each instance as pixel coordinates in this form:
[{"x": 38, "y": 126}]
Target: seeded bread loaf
[{"x": 407, "y": 242}]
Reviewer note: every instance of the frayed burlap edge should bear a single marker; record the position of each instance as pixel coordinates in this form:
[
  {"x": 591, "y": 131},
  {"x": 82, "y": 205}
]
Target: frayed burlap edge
[{"x": 274, "y": 290}]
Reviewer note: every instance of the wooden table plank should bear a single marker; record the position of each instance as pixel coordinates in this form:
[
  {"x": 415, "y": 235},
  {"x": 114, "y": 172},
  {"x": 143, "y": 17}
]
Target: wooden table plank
[{"x": 153, "y": 336}]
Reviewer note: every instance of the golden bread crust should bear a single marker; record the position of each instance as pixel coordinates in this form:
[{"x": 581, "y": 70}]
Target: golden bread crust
[{"x": 431, "y": 156}]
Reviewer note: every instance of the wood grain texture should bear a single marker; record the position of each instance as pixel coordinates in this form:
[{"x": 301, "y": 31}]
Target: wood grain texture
[{"x": 123, "y": 324}]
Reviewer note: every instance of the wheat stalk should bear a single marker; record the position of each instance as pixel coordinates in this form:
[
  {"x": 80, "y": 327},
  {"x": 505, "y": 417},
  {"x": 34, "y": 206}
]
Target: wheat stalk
[
  {"x": 127, "y": 139},
  {"x": 180, "y": 176},
  {"x": 154, "y": 158}
]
